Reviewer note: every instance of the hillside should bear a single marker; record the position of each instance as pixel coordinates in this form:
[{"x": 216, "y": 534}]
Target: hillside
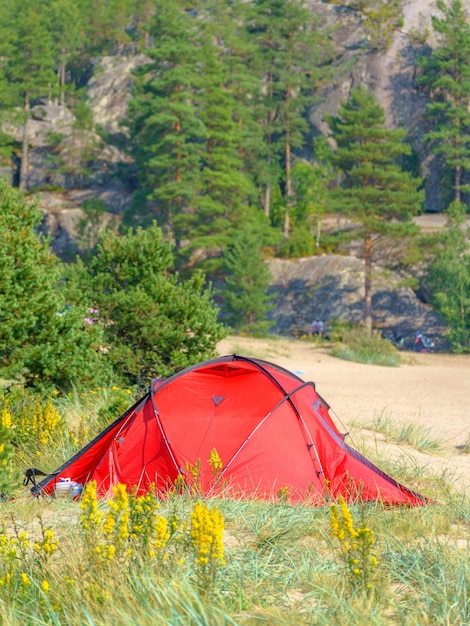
[
  {"x": 108, "y": 175},
  {"x": 72, "y": 163}
]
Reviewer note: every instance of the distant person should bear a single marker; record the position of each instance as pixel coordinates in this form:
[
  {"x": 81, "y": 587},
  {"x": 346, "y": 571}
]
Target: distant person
[
  {"x": 418, "y": 346},
  {"x": 317, "y": 328}
]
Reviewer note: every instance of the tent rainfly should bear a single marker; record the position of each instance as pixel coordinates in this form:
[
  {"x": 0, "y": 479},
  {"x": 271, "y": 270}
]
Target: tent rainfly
[{"x": 273, "y": 433}]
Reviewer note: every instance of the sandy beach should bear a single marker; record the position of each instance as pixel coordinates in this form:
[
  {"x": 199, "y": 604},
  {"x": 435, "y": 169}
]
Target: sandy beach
[{"x": 430, "y": 390}]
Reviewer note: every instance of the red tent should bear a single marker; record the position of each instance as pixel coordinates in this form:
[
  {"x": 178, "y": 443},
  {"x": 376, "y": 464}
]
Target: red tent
[{"x": 271, "y": 430}]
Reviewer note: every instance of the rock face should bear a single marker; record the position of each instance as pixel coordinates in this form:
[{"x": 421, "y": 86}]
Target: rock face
[
  {"x": 109, "y": 90},
  {"x": 331, "y": 288},
  {"x": 389, "y": 73}
]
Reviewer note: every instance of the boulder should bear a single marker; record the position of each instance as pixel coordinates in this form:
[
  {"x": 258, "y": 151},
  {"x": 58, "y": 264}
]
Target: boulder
[{"x": 331, "y": 288}]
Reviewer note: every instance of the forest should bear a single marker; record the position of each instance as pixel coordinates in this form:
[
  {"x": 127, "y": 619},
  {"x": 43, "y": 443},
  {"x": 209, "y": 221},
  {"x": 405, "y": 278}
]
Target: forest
[{"x": 226, "y": 169}]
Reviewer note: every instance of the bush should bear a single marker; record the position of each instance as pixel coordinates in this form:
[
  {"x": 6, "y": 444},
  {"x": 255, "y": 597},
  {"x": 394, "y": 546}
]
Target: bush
[
  {"x": 153, "y": 323},
  {"x": 44, "y": 342},
  {"x": 356, "y": 344}
]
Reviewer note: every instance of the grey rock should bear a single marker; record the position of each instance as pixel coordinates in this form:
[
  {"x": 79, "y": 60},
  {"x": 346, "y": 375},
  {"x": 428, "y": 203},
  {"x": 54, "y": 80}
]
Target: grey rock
[
  {"x": 109, "y": 90},
  {"x": 331, "y": 288}
]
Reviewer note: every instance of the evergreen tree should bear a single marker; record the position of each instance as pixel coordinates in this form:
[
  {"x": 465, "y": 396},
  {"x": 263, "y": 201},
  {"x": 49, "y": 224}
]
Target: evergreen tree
[
  {"x": 167, "y": 134},
  {"x": 449, "y": 277},
  {"x": 44, "y": 341},
  {"x": 29, "y": 67},
  {"x": 225, "y": 188},
  {"x": 154, "y": 324},
  {"x": 374, "y": 192},
  {"x": 446, "y": 76},
  {"x": 246, "y": 280},
  {"x": 142, "y": 14},
  {"x": 67, "y": 23},
  {"x": 105, "y": 25},
  {"x": 291, "y": 47},
  {"x": 226, "y": 24},
  {"x": 191, "y": 121}
]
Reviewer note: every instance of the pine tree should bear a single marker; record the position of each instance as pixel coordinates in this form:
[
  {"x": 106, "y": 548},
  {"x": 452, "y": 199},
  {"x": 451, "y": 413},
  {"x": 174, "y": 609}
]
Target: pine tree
[
  {"x": 67, "y": 23},
  {"x": 449, "y": 277},
  {"x": 142, "y": 14},
  {"x": 29, "y": 67},
  {"x": 226, "y": 23},
  {"x": 154, "y": 323},
  {"x": 246, "y": 278},
  {"x": 44, "y": 342},
  {"x": 167, "y": 134},
  {"x": 291, "y": 47},
  {"x": 445, "y": 73},
  {"x": 225, "y": 188},
  {"x": 374, "y": 191},
  {"x": 190, "y": 120}
]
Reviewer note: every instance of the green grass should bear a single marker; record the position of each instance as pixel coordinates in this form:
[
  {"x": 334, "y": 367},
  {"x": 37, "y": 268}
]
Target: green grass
[
  {"x": 283, "y": 565},
  {"x": 282, "y": 568},
  {"x": 355, "y": 344},
  {"x": 408, "y": 433}
]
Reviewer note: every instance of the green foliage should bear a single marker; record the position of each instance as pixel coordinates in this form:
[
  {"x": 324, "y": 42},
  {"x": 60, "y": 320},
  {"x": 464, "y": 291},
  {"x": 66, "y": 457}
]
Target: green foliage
[
  {"x": 153, "y": 324},
  {"x": 449, "y": 277},
  {"x": 293, "y": 52},
  {"x": 44, "y": 342},
  {"x": 216, "y": 114},
  {"x": 167, "y": 133},
  {"x": 90, "y": 226},
  {"x": 446, "y": 78},
  {"x": 311, "y": 182},
  {"x": 374, "y": 191},
  {"x": 357, "y": 344},
  {"x": 247, "y": 279},
  {"x": 300, "y": 243},
  {"x": 29, "y": 68},
  {"x": 83, "y": 115}
]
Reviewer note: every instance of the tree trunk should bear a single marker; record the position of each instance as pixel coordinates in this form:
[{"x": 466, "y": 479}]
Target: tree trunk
[
  {"x": 288, "y": 186},
  {"x": 368, "y": 282},
  {"x": 317, "y": 239},
  {"x": 25, "y": 147},
  {"x": 62, "y": 78},
  {"x": 458, "y": 183},
  {"x": 269, "y": 119},
  {"x": 267, "y": 199},
  {"x": 289, "y": 192}
]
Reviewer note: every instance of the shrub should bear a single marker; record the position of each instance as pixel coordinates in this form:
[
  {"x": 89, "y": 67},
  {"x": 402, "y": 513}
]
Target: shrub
[{"x": 356, "y": 344}]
